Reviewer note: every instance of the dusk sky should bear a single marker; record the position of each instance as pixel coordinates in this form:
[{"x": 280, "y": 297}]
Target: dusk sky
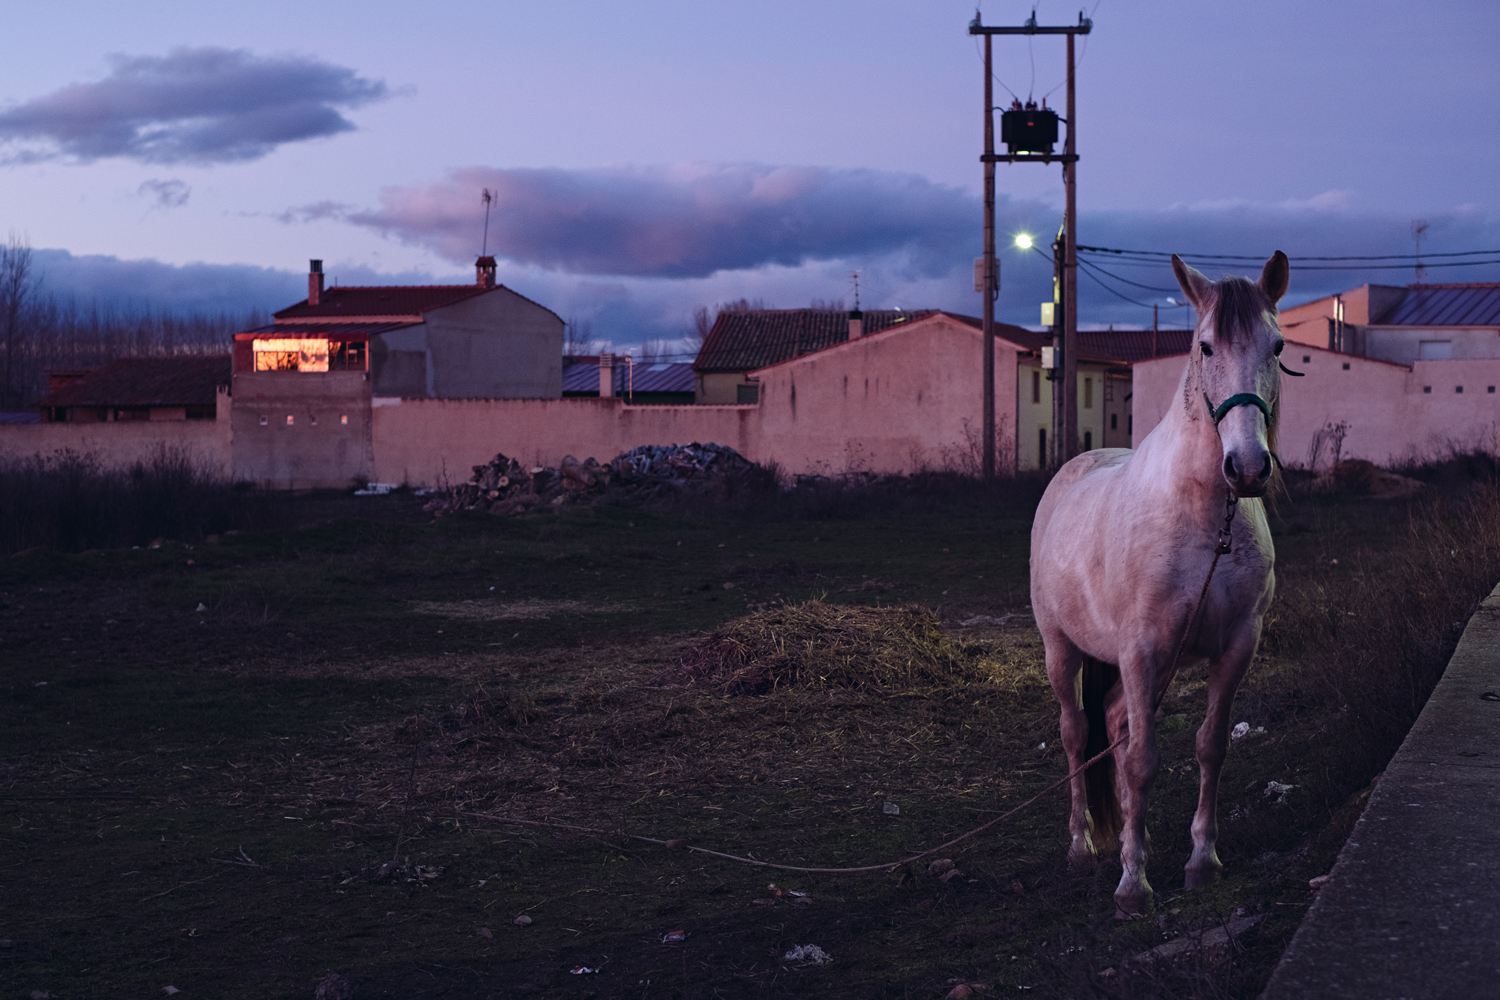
[{"x": 653, "y": 156}]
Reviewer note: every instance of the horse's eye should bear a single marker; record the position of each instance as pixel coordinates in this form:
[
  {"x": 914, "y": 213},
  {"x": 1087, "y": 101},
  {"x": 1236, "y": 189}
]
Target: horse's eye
[
  {"x": 1208, "y": 352},
  {"x": 1279, "y": 345}
]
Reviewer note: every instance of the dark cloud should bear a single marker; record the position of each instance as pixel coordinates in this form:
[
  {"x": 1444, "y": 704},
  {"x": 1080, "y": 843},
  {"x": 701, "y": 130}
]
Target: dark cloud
[
  {"x": 681, "y": 221},
  {"x": 197, "y": 105},
  {"x": 166, "y": 194}
]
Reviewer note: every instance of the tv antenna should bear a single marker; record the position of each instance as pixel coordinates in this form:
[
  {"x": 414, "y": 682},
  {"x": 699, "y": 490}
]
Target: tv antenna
[
  {"x": 487, "y": 197},
  {"x": 1418, "y": 230},
  {"x": 855, "y": 278}
]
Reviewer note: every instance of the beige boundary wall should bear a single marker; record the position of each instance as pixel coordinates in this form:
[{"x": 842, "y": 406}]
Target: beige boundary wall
[
  {"x": 426, "y": 442},
  {"x": 122, "y": 444},
  {"x": 1391, "y": 416},
  {"x": 902, "y": 400}
]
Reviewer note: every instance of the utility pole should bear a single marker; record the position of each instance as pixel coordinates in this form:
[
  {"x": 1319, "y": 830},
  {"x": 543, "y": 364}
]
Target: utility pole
[
  {"x": 991, "y": 278},
  {"x": 1067, "y": 444}
]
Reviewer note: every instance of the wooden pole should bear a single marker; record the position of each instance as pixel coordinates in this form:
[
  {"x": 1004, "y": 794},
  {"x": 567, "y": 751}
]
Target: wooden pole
[
  {"x": 1070, "y": 278},
  {"x": 988, "y": 461}
]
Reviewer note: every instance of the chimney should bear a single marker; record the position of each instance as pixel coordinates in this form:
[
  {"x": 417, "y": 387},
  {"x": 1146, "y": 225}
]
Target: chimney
[
  {"x": 606, "y": 376},
  {"x": 856, "y": 324},
  {"x": 314, "y": 282},
  {"x": 484, "y": 272}
]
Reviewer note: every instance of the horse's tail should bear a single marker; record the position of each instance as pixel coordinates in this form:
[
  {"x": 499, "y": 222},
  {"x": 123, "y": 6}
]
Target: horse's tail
[{"x": 1099, "y": 780}]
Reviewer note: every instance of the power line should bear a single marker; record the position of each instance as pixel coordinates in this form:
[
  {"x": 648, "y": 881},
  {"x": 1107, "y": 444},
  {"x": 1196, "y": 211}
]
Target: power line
[
  {"x": 1165, "y": 255},
  {"x": 1088, "y": 269}
]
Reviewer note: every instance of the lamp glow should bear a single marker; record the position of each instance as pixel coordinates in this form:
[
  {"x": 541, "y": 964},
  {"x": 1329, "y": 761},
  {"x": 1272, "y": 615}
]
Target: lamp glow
[{"x": 1023, "y": 241}]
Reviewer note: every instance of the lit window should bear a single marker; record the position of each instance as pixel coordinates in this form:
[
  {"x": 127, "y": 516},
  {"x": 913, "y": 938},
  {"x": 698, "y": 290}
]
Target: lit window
[
  {"x": 291, "y": 354},
  {"x": 344, "y": 419},
  {"x": 289, "y": 420}
]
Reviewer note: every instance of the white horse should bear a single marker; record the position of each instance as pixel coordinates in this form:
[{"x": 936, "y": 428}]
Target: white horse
[{"x": 1121, "y": 546}]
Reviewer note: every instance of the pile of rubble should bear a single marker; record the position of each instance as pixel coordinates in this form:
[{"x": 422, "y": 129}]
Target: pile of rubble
[{"x": 504, "y": 486}]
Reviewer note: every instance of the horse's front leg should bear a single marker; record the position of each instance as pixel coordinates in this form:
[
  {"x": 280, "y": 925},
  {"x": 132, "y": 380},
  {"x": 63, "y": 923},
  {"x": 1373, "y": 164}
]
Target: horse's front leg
[
  {"x": 1137, "y": 764},
  {"x": 1224, "y": 676},
  {"x": 1064, "y": 665}
]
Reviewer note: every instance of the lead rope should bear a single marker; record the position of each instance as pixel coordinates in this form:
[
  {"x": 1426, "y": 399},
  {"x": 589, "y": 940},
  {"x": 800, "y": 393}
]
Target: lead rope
[{"x": 1223, "y": 548}]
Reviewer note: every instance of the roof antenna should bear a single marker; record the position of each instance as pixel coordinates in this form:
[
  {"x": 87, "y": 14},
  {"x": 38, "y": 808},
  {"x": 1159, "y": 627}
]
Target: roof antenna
[
  {"x": 855, "y": 278},
  {"x": 485, "y": 252},
  {"x": 1418, "y": 229}
]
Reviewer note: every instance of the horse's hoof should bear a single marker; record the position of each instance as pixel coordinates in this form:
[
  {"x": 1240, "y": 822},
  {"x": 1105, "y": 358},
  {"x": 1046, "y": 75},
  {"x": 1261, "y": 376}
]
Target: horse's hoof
[
  {"x": 1132, "y": 904},
  {"x": 1199, "y": 878}
]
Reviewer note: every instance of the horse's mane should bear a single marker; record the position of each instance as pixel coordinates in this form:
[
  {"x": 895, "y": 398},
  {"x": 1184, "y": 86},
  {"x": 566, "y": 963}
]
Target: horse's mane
[{"x": 1240, "y": 305}]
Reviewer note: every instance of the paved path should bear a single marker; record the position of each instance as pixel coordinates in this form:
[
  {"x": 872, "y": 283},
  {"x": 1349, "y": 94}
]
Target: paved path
[{"x": 1413, "y": 909}]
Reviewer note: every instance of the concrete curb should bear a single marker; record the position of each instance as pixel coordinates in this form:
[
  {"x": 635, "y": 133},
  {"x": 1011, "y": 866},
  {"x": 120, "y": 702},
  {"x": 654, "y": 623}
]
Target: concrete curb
[{"x": 1413, "y": 906}]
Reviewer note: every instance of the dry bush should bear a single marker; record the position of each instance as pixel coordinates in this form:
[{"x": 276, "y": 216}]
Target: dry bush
[
  {"x": 1376, "y": 633},
  {"x": 827, "y": 645}
]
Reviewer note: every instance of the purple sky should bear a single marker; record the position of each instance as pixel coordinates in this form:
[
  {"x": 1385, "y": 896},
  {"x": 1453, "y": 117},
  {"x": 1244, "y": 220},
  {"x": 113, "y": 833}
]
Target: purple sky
[{"x": 650, "y": 157}]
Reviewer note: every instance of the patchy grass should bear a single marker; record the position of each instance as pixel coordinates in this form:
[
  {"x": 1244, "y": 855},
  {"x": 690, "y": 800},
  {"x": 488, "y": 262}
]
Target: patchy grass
[{"x": 296, "y": 779}]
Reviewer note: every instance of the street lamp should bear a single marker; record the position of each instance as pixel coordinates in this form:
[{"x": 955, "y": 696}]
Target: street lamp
[{"x": 1023, "y": 240}]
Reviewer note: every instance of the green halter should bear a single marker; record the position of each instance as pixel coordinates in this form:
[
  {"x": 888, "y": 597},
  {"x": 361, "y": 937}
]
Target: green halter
[{"x": 1239, "y": 399}]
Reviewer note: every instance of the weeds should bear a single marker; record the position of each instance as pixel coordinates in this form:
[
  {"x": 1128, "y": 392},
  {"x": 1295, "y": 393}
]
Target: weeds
[{"x": 70, "y": 502}]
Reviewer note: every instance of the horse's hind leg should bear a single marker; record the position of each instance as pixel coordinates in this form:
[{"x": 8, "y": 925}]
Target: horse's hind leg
[
  {"x": 1213, "y": 745},
  {"x": 1064, "y": 666}
]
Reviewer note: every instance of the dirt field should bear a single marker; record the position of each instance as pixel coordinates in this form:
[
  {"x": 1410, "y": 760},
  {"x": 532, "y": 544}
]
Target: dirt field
[{"x": 237, "y": 767}]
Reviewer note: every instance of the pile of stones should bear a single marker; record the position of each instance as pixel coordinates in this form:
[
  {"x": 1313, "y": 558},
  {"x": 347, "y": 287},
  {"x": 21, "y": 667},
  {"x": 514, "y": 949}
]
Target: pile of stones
[{"x": 504, "y": 486}]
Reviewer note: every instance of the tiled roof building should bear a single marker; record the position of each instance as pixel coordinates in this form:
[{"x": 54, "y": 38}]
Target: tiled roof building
[{"x": 173, "y": 388}]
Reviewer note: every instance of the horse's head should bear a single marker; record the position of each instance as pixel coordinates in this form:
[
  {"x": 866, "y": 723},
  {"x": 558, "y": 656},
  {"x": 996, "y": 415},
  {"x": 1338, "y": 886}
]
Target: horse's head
[{"x": 1234, "y": 355}]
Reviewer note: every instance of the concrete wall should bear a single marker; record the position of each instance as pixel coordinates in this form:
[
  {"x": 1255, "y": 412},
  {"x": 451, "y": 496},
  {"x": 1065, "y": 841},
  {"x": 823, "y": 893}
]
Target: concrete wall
[
  {"x": 302, "y": 430},
  {"x": 901, "y": 400},
  {"x": 714, "y": 388},
  {"x": 121, "y": 444},
  {"x": 496, "y": 345},
  {"x": 906, "y": 398},
  {"x": 431, "y": 441},
  {"x": 1394, "y": 413}
]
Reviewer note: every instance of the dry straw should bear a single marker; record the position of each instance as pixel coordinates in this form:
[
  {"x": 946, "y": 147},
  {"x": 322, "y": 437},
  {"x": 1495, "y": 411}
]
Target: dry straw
[{"x": 828, "y": 645}]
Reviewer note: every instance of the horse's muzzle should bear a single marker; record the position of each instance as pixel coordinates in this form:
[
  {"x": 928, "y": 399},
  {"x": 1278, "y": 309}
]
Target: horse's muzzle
[{"x": 1245, "y": 483}]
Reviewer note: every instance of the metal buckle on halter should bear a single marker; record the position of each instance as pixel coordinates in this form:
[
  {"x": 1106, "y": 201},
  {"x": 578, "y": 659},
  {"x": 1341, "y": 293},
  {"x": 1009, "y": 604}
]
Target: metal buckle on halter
[{"x": 1231, "y": 507}]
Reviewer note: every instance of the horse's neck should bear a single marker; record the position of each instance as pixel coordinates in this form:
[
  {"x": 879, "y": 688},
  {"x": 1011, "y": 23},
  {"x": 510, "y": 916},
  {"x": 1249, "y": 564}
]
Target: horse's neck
[{"x": 1183, "y": 455}]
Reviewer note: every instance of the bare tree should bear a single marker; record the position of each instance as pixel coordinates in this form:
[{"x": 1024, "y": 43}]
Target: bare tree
[
  {"x": 17, "y": 284},
  {"x": 578, "y": 338},
  {"x": 655, "y": 350}
]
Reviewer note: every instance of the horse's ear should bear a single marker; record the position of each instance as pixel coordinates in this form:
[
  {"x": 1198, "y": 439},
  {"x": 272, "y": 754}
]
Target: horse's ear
[
  {"x": 1194, "y": 285},
  {"x": 1275, "y": 277}
]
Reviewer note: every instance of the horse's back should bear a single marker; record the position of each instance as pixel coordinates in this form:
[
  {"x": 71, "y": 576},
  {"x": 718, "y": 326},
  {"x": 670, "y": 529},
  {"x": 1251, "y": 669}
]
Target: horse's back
[{"x": 1065, "y": 484}]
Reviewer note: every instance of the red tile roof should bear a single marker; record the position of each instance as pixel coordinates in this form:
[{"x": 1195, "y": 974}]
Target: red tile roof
[
  {"x": 331, "y": 331},
  {"x": 356, "y": 302},
  {"x": 191, "y": 380},
  {"x": 1130, "y": 346},
  {"x": 745, "y": 341}
]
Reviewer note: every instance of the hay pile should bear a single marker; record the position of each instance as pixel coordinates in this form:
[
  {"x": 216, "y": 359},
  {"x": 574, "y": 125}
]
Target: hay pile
[{"x": 829, "y": 645}]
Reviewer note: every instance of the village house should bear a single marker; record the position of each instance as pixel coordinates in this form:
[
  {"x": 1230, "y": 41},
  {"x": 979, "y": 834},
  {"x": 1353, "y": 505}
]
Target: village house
[
  {"x": 304, "y": 387},
  {"x": 1392, "y": 375},
  {"x": 182, "y": 387}
]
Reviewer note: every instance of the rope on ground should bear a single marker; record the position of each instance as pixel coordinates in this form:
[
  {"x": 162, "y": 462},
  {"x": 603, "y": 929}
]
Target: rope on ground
[{"x": 885, "y": 866}]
